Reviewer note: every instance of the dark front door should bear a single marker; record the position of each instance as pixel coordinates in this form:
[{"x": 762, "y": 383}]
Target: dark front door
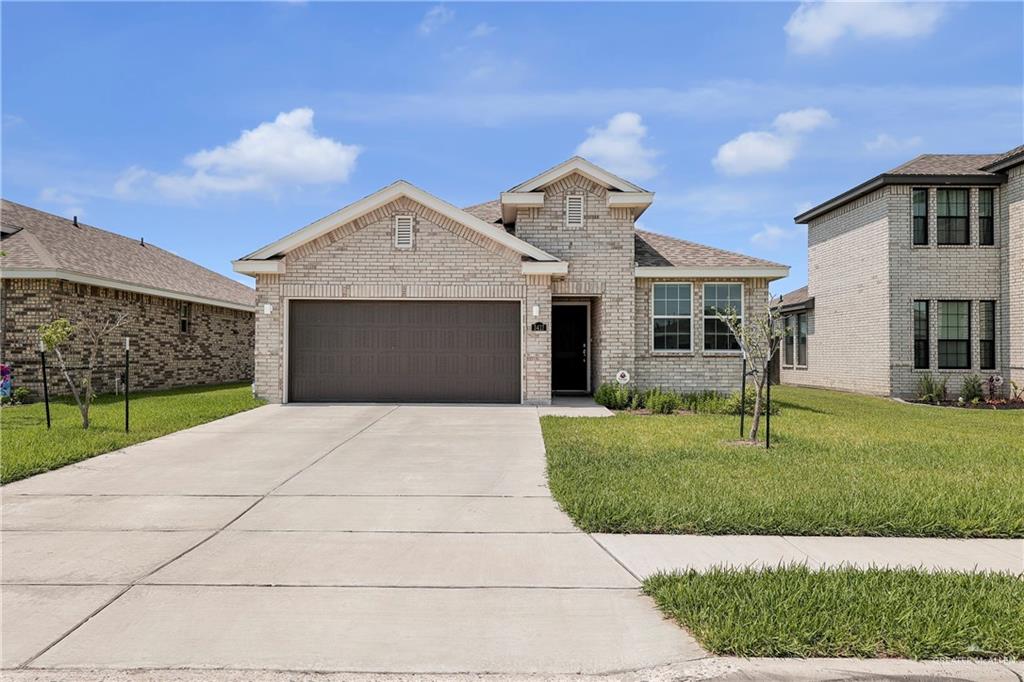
[
  {"x": 404, "y": 351},
  {"x": 569, "y": 349}
]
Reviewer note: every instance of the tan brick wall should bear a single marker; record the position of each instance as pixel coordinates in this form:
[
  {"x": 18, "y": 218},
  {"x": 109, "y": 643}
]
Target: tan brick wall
[
  {"x": 218, "y": 349},
  {"x": 1012, "y": 214}
]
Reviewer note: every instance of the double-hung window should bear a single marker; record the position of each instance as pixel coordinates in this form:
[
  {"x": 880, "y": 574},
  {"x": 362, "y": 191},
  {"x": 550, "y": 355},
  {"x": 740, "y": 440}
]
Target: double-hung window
[
  {"x": 672, "y": 316},
  {"x": 921, "y": 334},
  {"x": 801, "y": 340},
  {"x": 920, "y": 204},
  {"x": 951, "y": 220},
  {"x": 954, "y": 334},
  {"x": 721, "y": 300},
  {"x": 184, "y": 317},
  {"x": 987, "y": 334},
  {"x": 788, "y": 340},
  {"x": 986, "y": 217}
]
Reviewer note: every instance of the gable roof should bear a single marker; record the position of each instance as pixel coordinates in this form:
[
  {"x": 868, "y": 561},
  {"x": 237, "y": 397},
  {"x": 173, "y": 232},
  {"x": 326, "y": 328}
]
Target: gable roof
[
  {"x": 40, "y": 245},
  {"x": 658, "y": 254},
  {"x": 927, "y": 169},
  {"x": 488, "y": 211},
  {"x": 380, "y": 198},
  {"x": 577, "y": 164}
]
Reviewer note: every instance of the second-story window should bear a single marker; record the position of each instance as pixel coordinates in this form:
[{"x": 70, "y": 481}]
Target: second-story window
[
  {"x": 986, "y": 217},
  {"x": 920, "y": 203},
  {"x": 952, "y": 217}
]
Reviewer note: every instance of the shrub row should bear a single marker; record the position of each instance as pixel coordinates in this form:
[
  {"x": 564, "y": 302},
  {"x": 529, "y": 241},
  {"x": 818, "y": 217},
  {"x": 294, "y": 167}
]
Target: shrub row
[{"x": 660, "y": 401}]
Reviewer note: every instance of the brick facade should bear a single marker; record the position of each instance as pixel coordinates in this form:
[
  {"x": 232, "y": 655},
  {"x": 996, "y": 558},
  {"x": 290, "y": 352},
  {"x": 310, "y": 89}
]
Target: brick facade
[{"x": 217, "y": 349}]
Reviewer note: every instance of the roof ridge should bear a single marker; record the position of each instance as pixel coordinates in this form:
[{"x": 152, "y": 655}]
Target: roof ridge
[{"x": 707, "y": 246}]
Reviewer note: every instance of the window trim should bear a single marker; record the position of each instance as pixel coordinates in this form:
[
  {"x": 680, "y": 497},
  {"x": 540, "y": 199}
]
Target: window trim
[
  {"x": 743, "y": 316},
  {"x": 788, "y": 341},
  {"x": 412, "y": 224},
  {"x": 967, "y": 218},
  {"x": 583, "y": 210},
  {"x": 185, "y": 317},
  {"x": 671, "y": 351},
  {"x": 927, "y": 214},
  {"x": 992, "y": 193},
  {"x": 927, "y": 333},
  {"x": 796, "y": 342},
  {"x": 969, "y": 338},
  {"x": 981, "y": 335}
]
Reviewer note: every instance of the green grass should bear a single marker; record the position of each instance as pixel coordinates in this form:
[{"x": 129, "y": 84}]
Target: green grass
[
  {"x": 840, "y": 464},
  {"x": 793, "y": 611},
  {"x": 28, "y": 448}
]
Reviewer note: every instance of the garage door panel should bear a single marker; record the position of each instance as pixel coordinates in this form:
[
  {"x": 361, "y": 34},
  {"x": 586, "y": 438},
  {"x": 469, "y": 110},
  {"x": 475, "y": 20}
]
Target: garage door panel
[{"x": 404, "y": 351}]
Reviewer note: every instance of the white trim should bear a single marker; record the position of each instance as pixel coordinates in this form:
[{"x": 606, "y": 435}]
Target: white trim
[
  {"x": 703, "y": 316},
  {"x": 589, "y": 344},
  {"x": 577, "y": 164},
  {"x": 650, "y": 326},
  {"x": 807, "y": 343},
  {"x": 79, "y": 278},
  {"x": 787, "y": 338},
  {"x": 744, "y": 271},
  {"x": 630, "y": 199},
  {"x": 383, "y": 197},
  {"x": 545, "y": 268},
  {"x": 259, "y": 267},
  {"x": 527, "y": 199},
  {"x": 583, "y": 211},
  {"x": 286, "y": 322},
  {"x": 401, "y": 217}
]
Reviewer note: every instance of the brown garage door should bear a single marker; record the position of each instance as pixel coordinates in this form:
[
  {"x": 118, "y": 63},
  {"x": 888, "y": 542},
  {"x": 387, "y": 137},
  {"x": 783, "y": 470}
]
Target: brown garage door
[{"x": 403, "y": 351}]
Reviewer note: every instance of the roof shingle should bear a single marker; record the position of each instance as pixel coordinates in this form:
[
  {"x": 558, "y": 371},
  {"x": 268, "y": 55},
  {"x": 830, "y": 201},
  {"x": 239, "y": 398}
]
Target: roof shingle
[
  {"x": 658, "y": 250},
  {"x": 44, "y": 241},
  {"x": 946, "y": 164}
]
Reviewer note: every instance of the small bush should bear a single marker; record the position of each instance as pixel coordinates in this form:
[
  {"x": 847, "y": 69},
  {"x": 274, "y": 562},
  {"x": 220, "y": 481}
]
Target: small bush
[
  {"x": 19, "y": 396},
  {"x": 931, "y": 389},
  {"x": 613, "y": 396},
  {"x": 971, "y": 391},
  {"x": 663, "y": 402}
]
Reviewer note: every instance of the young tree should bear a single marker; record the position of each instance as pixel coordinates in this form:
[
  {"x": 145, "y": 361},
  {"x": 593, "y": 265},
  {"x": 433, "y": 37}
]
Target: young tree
[
  {"x": 759, "y": 338},
  {"x": 56, "y": 336}
]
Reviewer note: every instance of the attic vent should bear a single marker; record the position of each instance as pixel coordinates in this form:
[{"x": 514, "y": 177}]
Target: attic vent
[
  {"x": 403, "y": 231},
  {"x": 574, "y": 211}
]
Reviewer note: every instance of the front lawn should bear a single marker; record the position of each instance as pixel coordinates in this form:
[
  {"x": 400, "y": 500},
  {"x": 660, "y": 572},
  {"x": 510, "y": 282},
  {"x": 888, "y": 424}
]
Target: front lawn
[
  {"x": 28, "y": 448},
  {"x": 793, "y": 611},
  {"x": 840, "y": 464}
]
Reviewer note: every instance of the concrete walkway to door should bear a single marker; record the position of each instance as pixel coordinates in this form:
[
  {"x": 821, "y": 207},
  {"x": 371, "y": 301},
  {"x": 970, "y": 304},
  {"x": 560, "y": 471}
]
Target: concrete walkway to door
[{"x": 321, "y": 538}]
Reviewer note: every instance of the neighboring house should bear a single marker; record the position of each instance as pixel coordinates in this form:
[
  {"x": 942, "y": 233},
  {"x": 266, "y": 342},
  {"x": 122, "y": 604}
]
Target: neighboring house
[
  {"x": 917, "y": 271},
  {"x": 187, "y": 325},
  {"x": 401, "y": 296}
]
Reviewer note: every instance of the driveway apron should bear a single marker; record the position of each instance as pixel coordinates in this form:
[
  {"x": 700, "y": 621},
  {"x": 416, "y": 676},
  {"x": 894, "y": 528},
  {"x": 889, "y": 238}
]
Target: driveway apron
[{"x": 358, "y": 538}]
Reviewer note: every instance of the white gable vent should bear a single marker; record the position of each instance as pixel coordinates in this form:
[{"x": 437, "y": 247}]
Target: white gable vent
[
  {"x": 403, "y": 231},
  {"x": 574, "y": 211}
]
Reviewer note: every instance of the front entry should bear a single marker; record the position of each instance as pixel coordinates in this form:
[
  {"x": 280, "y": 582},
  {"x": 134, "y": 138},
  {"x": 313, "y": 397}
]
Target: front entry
[{"x": 570, "y": 341}]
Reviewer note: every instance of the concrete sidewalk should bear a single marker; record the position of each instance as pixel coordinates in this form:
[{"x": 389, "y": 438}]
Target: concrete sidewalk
[{"x": 643, "y": 555}]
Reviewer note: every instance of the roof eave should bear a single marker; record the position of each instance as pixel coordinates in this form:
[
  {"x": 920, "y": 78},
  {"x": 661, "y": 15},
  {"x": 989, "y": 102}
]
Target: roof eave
[
  {"x": 1005, "y": 164},
  {"x": 769, "y": 272}
]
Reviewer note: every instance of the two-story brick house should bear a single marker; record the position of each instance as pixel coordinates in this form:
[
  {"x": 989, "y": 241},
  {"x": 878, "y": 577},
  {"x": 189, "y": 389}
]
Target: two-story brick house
[
  {"x": 919, "y": 270},
  {"x": 402, "y": 296}
]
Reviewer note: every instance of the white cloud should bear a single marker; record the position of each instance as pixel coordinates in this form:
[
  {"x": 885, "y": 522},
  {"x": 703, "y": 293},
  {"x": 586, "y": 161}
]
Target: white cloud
[
  {"x": 619, "y": 147},
  {"x": 436, "y": 17},
  {"x": 68, "y": 203},
  {"x": 885, "y": 143},
  {"x": 773, "y": 236},
  {"x": 276, "y": 154},
  {"x": 815, "y": 27},
  {"x": 759, "y": 151},
  {"x": 482, "y": 30}
]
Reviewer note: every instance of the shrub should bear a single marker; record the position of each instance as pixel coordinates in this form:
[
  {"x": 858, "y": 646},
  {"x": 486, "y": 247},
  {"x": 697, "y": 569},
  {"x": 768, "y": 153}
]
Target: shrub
[
  {"x": 613, "y": 396},
  {"x": 663, "y": 402},
  {"x": 931, "y": 389},
  {"x": 971, "y": 391},
  {"x": 637, "y": 400},
  {"x": 19, "y": 396}
]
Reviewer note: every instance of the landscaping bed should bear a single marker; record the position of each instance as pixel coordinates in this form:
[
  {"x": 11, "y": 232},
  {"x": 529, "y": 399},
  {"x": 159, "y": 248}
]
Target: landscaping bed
[
  {"x": 29, "y": 448},
  {"x": 840, "y": 464},
  {"x": 794, "y": 611}
]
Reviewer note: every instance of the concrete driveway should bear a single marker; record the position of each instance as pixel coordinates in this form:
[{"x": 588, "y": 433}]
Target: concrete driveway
[{"x": 326, "y": 538}]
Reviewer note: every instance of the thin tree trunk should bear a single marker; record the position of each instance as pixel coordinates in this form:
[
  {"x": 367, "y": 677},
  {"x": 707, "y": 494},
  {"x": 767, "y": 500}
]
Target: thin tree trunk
[
  {"x": 73, "y": 387},
  {"x": 755, "y": 421}
]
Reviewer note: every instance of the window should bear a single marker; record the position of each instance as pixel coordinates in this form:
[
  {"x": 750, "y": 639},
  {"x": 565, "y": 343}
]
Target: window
[
  {"x": 952, "y": 217},
  {"x": 921, "y": 345},
  {"x": 920, "y": 202},
  {"x": 403, "y": 231},
  {"x": 986, "y": 217},
  {"x": 801, "y": 340},
  {"x": 987, "y": 333},
  {"x": 672, "y": 315},
  {"x": 184, "y": 317},
  {"x": 574, "y": 211},
  {"x": 788, "y": 340},
  {"x": 954, "y": 334},
  {"x": 721, "y": 299}
]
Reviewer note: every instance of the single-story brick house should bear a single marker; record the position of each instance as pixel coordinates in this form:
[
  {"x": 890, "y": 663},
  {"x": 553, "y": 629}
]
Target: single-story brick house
[
  {"x": 402, "y": 296},
  {"x": 187, "y": 325}
]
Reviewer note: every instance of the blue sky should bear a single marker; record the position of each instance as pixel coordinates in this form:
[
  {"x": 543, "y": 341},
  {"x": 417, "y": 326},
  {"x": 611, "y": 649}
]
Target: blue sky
[{"x": 738, "y": 116}]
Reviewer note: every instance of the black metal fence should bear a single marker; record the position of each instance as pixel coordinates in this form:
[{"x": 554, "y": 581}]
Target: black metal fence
[{"x": 124, "y": 378}]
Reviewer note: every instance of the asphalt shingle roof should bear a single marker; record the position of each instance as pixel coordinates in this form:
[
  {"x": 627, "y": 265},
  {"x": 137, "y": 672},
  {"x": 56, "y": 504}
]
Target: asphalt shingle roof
[
  {"x": 658, "y": 250},
  {"x": 44, "y": 241},
  {"x": 946, "y": 164}
]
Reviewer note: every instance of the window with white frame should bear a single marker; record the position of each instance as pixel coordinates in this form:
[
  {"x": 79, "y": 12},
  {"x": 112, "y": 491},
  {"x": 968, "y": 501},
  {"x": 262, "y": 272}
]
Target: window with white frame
[
  {"x": 672, "y": 316},
  {"x": 184, "y": 317},
  {"x": 574, "y": 206},
  {"x": 801, "y": 340},
  {"x": 788, "y": 339},
  {"x": 721, "y": 300},
  {"x": 403, "y": 231}
]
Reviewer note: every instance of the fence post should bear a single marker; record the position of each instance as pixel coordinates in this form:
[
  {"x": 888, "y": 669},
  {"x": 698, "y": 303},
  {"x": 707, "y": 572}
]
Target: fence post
[
  {"x": 743, "y": 396},
  {"x": 768, "y": 416},
  {"x": 46, "y": 388},
  {"x": 127, "y": 344}
]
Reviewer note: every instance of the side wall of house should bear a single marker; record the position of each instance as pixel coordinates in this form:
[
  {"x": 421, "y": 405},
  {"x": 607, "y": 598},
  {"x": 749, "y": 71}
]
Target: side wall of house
[
  {"x": 360, "y": 261},
  {"x": 217, "y": 349},
  {"x": 698, "y": 369},
  {"x": 1012, "y": 216},
  {"x": 848, "y": 275}
]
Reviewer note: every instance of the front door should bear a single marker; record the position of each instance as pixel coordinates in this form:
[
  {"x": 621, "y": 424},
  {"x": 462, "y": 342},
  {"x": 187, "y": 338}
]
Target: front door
[{"x": 569, "y": 347}]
